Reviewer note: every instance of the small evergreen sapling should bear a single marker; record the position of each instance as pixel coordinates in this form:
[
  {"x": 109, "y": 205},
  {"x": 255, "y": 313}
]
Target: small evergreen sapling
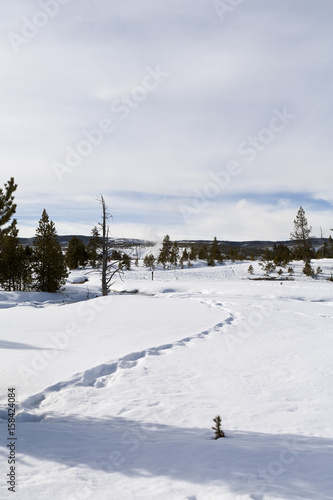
[
  {"x": 308, "y": 270},
  {"x": 290, "y": 271},
  {"x": 218, "y": 431}
]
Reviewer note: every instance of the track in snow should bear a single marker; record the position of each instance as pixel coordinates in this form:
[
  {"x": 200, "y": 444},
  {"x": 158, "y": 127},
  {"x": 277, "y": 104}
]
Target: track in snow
[{"x": 100, "y": 376}]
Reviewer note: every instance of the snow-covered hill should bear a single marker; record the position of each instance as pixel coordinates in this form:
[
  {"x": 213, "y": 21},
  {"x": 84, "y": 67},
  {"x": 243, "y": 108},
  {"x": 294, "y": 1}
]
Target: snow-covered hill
[{"x": 116, "y": 395}]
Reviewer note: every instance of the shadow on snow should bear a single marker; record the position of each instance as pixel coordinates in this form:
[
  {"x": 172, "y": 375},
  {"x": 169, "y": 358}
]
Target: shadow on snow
[{"x": 289, "y": 466}]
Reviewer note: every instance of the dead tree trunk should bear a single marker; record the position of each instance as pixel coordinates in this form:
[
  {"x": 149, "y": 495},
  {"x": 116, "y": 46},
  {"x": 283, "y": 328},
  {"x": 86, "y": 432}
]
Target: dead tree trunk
[{"x": 109, "y": 269}]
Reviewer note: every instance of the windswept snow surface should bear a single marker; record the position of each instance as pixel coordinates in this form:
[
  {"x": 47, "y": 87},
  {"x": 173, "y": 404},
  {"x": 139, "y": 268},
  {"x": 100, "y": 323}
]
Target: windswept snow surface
[{"x": 116, "y": 395}]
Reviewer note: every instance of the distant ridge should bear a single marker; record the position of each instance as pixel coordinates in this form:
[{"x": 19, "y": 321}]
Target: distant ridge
[
  {"x": 129, "y": 242},
  {"x": 118, "y": 242}
]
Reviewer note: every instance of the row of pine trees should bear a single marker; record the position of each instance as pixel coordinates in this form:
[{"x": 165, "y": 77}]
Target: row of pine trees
[
  {"x": 213, "y": 253},
  {"x": 44, "y": 266},
  {"x": 40, "y": 267}
]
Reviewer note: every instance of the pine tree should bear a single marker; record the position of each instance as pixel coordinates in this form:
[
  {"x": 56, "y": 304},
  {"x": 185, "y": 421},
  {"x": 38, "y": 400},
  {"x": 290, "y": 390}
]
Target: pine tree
[
  {"x": 290, "y": 271},
  {"x": 164, "y": 255},
  {"x": 203, "y": 252},
  {"x": 149, "y": 261},
  {"x": 15, "y": 265},
  {"x": 193, "y": 253},
  {"x": 7, "y": 207},
  {"x": 76, "y": 254},
  {"x": 215, "y": 251},
  {"x": 126, "y": 262},
  {"x": 281, "y": 255},
  {"x": 330, "y": 247},
  {"x": 218, "y": 430},
  {"x": 174, "y": 254},
  {"x": 210, "y": 259},
  {"x": 185, "y": 254},
  {"x": 49, "y": 262},
  {"x": 233, "y": 254},
  {"x": 303, "y": 248},
  {"x": 307, "y": 269},
  {"x": 93, "y": 247}
]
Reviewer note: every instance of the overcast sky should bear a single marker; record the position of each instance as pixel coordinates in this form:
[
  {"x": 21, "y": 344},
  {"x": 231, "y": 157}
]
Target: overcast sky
[{"x": 192, "y": 117}]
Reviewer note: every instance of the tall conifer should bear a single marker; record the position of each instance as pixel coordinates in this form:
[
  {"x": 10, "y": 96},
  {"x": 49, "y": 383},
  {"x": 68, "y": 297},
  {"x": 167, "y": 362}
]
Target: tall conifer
[
  {"x": 303, "y": 248},
  {"x": 15, "y": 265},
  {"x": 49, "y": 262},
  {"x": 7, "y": 207}
]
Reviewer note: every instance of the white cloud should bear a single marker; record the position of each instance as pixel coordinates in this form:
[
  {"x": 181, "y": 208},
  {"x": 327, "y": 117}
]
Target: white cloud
[{"x": 225, "y": 79}]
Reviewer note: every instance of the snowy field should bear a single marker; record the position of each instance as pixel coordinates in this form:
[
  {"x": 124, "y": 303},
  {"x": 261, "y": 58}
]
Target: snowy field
[{"x": 116, "y": 395}]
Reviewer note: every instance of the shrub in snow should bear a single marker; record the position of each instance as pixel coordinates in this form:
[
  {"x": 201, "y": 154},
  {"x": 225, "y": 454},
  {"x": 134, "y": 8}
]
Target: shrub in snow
[
  {"x": 218, "y": 431},
  {"x": 150, "y": 261},
  {"x": 268, "y": 267},
  {"x": 318, "y": 270},
  {"x": 307, "y": 269},
  {"x": 250, "y": 269}
]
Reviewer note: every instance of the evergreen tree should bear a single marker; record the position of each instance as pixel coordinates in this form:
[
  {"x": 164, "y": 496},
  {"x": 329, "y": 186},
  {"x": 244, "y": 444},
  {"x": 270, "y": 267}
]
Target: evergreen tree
[
  {"x": 330, "y": 247},
  {"x": 174, "y": 254},
  {"x": 216, "y": 251},
  {"x": 126, "y": 262},
  {"x": 267, "y": 255},
  {"x": 93, "y": 247},
  {"x": 115, "y": 255},
  {"x": 217, "y": 428},
  {"x": 303, "y": 248},
  {"x": 15, "y": 265},
  {"x": 307, "y": 269},
  {"x": 7, "y": 207},
  {"x": 193, "y": 253},
  {"x": 149, "y": 261},
  {"x": 203, "y": 252},
  {"x": 164, "y": 255},
  {"x": 210, "y": 260},
  {"x": 281, "y": 255},
  {"x": 76, "y": 254},
  {"x": 290, "y": 271},
  {"x": 232, "y": 253},
  {"x": 185, "y": 255},
  {"x": 266, "y": 263},
  {"x": 268, "y": 267},
  {"x": 49, "y": 262}
]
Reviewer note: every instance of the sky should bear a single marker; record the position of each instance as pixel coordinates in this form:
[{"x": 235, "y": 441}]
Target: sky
[{"x": 193, "y": 118}]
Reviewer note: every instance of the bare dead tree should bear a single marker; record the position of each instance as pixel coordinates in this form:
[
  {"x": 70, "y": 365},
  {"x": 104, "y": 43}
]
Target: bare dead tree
[{"x": 110, "y": 267}]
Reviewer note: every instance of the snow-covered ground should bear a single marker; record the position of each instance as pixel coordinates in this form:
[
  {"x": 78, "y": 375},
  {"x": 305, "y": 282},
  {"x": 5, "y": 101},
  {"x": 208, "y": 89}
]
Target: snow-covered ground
[{"x": 116, "y": 395}]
